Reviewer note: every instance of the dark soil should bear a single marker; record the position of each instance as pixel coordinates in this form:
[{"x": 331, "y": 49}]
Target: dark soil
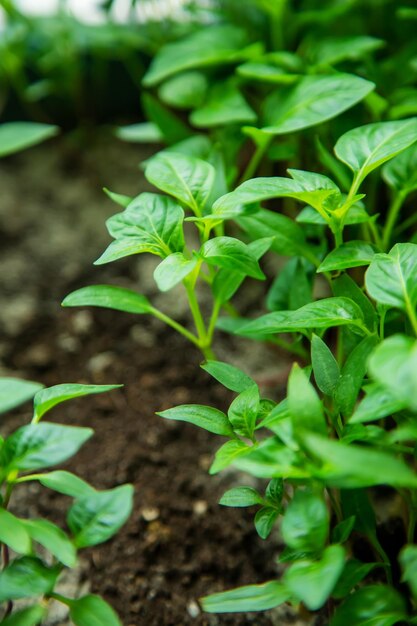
[{"x": 179, "y": 544}]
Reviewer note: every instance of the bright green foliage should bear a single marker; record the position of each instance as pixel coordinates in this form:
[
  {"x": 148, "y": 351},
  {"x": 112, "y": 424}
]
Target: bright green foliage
[
  {"x": 16, "y": 136},
  {"x": 42, "y": 550},
  {"x": 229, "y": 102}
]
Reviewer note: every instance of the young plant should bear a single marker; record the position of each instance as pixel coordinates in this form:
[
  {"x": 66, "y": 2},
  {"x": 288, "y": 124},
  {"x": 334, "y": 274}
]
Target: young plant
[
  {"x": 34, "y": 551},
  {"x": 153, "y": 223},
  {"x": 347, "y": 426}
]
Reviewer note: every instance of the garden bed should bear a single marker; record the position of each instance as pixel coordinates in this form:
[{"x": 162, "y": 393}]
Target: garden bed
[{"x": 175, "y": 547}]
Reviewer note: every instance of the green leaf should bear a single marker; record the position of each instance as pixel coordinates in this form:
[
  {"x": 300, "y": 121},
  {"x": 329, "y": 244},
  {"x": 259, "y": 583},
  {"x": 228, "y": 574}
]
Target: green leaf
[
  {"x": 307, "y": 187},
  {"x": 291, "y": 288},
  {"x": 209, "y": 46},
  {"x": 14, "y": 392},
  {"x": 250, "y": 598},
  {"x": 356, "y": 215},
  {"x": 306, "y": 522},
  {"x": 109, "y": 297},
  {"x": 26, "y": 577},
  {"x": 41, "y": 445},
  {"x": 333, "y": 50},
  {"x": 353, "y": 573},
  {"x": 225, "y": 105},
  {"x": 374, "y": 605},
  {"x": 171, "y": 126},
  {"x": 325, "y": 367},
  {"x": 265, "y": 519},
  {"x": 312, "y": 582},
  {"x": 393, "y": 364},
  {"x": 365, "y": 148},
  {"x": 244, "y": 410},
  {"x": 288, "y": 237},
  {"x": 264, "y": 70},
  {"x": 342, "y": 531},
  {"x": 408, "y": 560},
  {"x": 151, "y": 223},
  {"x": 377, "y": 403},
  {"x": 145, "y": 132},
  {"x": 304, "y": 405},
  {"x": 324, "y": 313},
  {"x": 184, "y": 91},
  {"x": 231, "y": 253},
  {"x": 356, "y": 503},
  {"x": 390, "y": 278},
  {"x": 227, "y": 453},
  {"x": 350, "y": 254},
  {"x": 352, "y": 374},
  {"x": 28, "y": 617},
  {"x": 92, "y": 610},
  {"x": 400, "y": 173},
  {"x": 241, "y": 497},
  {"x": 118, "y": 198},
  {"x": 188, "y": 179},
  {"x": 46, "y": 399},
  {"x": 96, "y": 517},
  {"x": 172, "y": 270},
  {"x": 275, "y": 491},
  {"x": 315, "y": 99},
  {"x": 66, "y": 483},
  {"x": 349, "y": 466},
  {"x": 228, "y": 375},
  {"x": 13, "y": 533},
  {"x": 227, "y": 282},
  {"x": 272, "y": 458},
  {"x": 345, "y": 286},
  {"x": 16, "y": 136},
  {"x": 206, "y": 417},
  {"x": 53, "y": 539}
]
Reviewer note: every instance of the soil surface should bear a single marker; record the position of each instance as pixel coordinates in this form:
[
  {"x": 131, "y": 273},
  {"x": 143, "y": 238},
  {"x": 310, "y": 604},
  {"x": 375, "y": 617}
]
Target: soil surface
[{"x": 179, "y": 544}]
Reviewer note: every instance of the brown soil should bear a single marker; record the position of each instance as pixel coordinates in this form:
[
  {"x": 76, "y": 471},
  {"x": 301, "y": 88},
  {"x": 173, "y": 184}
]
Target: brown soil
[{"x": 179, "y": 544}]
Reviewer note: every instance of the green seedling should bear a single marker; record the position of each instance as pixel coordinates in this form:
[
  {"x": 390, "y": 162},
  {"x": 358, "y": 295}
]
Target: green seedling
[{"x": 35, "y": 552}]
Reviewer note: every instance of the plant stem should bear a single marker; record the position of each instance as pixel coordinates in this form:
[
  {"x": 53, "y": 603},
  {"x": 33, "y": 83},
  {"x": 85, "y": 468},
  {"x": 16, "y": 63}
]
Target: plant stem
[
  {"x": 195, "y": 310},
  {"x": 335, "y": 505},
  {"x": 382, "y": 324},
  {"x": 411, "y": 312},
  {"x": 383, "y": 555},
  {"x": 175, "y": 325},
  {"x": 392, "y": 216},
  {"x": 412, "y": 520},
  {"x": 257, "y": 156}
]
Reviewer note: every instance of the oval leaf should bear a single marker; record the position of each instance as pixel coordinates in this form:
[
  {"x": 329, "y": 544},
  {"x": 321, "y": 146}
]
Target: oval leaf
[
  {"x": 109, "y": 297},
  {"x": 98, "y": 516},
  {"x": 206, "y": 417},
  {"x": 249, "y": 598}
]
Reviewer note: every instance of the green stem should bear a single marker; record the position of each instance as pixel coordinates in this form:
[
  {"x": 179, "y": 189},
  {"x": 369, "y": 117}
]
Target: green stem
[
  {"x": 335, "y": 505},
  {"x": 383, "y": 555},
  {"x": 176, "y": 326},
  {"x": 382, "y": 323},
  {"x": 195, "y": 310},
  {"x": 256, "y": 158},
  {"x": 213, "y": 319},
  {"x": 412, "y": 520},
  {"x": 411, "y": 312},
  {"x": 392, "y": 217}
]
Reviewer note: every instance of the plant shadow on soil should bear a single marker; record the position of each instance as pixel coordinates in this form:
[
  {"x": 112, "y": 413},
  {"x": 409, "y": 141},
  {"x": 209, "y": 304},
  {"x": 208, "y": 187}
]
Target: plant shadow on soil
[{"x": 179, "y": 544}]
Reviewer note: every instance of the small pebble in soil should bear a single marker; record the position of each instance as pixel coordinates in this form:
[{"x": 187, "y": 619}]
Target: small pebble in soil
[
  {"x": 100, "y": 362},
  {"x": 150, "y": 513},
  {"x": 200, "y": 507},
  {"x": 193, "y": 609},
  {"x": 68, "y": 343},
  {"x": 82, "y": 322}
]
